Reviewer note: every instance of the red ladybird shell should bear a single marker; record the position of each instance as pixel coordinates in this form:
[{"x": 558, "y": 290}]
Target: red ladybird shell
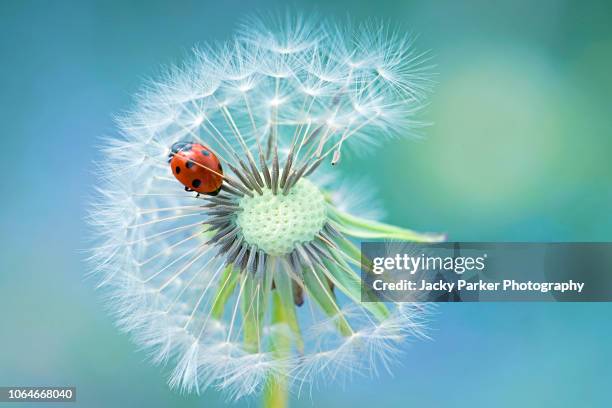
[{"x": 196, "y": 167}]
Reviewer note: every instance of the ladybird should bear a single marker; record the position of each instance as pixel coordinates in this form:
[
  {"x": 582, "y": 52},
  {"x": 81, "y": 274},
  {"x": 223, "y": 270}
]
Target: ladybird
[{"x": 196, "y": 167}]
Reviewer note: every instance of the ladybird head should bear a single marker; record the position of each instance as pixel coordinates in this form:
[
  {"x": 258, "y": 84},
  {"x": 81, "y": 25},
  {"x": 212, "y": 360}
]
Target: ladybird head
[{"x": 181, "y": 147}]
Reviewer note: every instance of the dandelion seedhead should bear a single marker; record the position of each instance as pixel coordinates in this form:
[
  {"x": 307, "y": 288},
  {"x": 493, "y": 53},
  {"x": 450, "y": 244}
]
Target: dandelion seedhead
[{"x": 258, "y": 284}]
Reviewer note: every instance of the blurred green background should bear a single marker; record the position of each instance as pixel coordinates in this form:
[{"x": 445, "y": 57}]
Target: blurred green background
[{"x": 519, "y": 152}]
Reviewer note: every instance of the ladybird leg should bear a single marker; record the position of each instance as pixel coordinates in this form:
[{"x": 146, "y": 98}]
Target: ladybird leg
[
  {"x": 214, "y": 193},
  {"x": 188, "y": 189},
  {"x": 197, "y": 195}
]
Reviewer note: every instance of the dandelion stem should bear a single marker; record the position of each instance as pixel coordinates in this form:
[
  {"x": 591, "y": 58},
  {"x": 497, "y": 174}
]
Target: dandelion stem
[
  {"x": 363, "y": 228},
  {"x": 276, "y": 393}
]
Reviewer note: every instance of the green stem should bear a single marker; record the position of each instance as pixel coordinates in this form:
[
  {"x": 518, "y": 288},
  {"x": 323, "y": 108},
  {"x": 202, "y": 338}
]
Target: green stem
[
  {"x": 363, "y": 228},
  {"x": 224, "y": 291},
  {"x": 276, "y": 394}
]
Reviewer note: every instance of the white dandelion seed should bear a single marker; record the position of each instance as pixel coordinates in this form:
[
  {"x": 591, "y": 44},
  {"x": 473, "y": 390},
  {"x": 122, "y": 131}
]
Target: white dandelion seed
[{"x": 259, "y": 283}]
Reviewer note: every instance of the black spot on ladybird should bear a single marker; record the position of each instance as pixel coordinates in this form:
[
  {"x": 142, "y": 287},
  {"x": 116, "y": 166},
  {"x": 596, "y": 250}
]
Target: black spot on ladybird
[
  {"x": 196, "y": 183},
  {"x": 177, "y": 169},
  {"x": 189, "y": 164},
  {"x": 204, "y": 152}
]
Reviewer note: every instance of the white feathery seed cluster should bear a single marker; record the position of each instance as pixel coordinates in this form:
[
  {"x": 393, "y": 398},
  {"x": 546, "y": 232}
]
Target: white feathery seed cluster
[{"x": 274, "y": 105}]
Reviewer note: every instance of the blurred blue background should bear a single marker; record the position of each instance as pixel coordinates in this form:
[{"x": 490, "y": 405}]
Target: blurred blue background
[{"x": 520, "y": 151}]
